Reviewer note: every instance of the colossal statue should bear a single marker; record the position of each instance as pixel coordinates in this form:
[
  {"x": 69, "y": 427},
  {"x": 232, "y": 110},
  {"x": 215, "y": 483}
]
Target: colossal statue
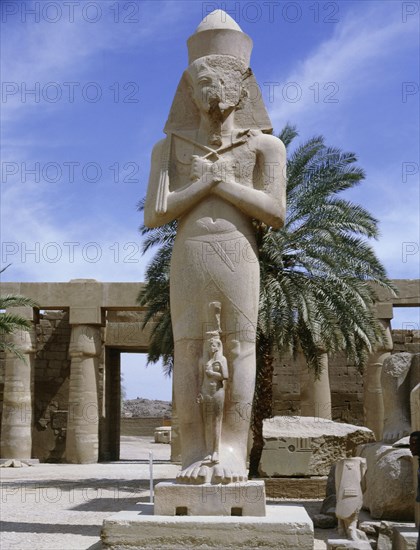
[{"x": 218, "y": 169}]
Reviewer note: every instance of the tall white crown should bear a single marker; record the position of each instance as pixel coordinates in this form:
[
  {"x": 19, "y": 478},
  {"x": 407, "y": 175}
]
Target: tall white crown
[{"x": 219, "y": 34}]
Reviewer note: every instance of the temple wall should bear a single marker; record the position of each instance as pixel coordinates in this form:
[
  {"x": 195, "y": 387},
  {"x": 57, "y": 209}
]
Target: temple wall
[
  {"x": 346, "y": 388},
  {"x": 52, "y": 372},
  {"x": 346, "y": 381}
]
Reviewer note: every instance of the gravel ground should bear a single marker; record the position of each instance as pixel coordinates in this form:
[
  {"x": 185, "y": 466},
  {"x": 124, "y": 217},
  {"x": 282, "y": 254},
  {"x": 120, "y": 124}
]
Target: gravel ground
[{"x": 62, "y": 506}]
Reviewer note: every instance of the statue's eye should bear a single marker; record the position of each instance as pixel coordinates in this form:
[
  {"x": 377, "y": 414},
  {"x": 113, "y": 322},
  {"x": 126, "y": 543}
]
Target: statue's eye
[{"x": 204, "y": 80}]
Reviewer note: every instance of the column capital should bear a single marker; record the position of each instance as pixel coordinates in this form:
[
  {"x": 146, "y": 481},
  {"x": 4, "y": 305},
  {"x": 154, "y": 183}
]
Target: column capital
[{"x": 85, "y": 341}]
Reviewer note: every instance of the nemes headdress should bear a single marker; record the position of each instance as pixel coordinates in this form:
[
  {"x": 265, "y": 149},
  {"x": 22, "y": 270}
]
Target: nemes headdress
[{"x": 218, "y": 34}]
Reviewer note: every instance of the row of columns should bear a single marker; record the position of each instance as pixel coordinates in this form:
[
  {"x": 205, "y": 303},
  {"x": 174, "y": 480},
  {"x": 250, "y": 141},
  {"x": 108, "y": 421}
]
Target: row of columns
[
  {"x": 316, "y": 392},
  {"x": 82, "y": 439},
  {"x": 83, "y": 409}
]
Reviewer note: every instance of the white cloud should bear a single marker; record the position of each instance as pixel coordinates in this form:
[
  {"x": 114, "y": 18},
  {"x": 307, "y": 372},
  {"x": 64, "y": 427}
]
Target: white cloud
[
  {"x": 347, "y": 64},
  {"x": 43, "y": 52}
]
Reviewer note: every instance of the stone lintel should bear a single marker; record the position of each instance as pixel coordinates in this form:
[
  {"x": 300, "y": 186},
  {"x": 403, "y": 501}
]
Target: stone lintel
[
  {"x": 284, "y": 527},
  {"x": 384, "y": 310},
  {"x": 24, "y": 311},
  {"x": 232, "y": 499},
  {"x": 81, "y": 293}
]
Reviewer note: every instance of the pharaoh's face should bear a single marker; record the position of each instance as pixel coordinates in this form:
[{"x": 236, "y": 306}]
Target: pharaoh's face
[{"x": 216, "y": 84}]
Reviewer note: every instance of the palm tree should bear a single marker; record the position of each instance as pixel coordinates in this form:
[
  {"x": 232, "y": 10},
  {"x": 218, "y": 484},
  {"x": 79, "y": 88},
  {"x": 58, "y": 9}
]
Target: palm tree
[
  {"x": 317, "y": 274},
  {"x": 10, "y": 322}
]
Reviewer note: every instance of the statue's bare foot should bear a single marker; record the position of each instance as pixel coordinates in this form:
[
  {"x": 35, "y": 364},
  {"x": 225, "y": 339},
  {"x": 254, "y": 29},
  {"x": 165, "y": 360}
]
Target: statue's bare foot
[
  {"x": 195, "y": 474},
  {"x": 396, "y": 429},
  {"x": 224, "y": 473},
  {"x": 215, "y": 457}
]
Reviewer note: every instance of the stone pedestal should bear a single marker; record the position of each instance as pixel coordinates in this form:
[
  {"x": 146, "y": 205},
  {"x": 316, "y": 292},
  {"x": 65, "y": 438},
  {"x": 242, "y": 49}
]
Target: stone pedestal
[
  {"x": 16, "y": 429},
  {"x": 232, "y": 499},
  {"x": 284, "y": 527},
  {"x": 83, "y": 418}
]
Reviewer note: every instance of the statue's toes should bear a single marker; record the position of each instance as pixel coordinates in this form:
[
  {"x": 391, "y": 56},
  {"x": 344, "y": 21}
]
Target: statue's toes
[
  {"x": 185, "y": 475},
  {"x": 236, "y": 476},
  {"x": 227, "y": 476},
  {"x": 202, "y": 474},
  {"x": 217, "y": 474},
  {"x": 194, "y": 475}
]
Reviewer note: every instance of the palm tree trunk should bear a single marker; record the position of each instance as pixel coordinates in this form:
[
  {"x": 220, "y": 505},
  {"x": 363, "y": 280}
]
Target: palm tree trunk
[{"x": 263, "y": 398}]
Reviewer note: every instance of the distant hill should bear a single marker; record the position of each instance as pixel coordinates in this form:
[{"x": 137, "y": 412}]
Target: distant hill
[{"x": 135, "y": 408}]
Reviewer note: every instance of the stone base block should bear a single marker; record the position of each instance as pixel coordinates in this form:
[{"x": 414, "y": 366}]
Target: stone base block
[
  {"x": 346, "y": 544},
  {"x": 307, "y": 446},
  {"x": 232, "y": 499},
  {"x": 284, "y": 527}
]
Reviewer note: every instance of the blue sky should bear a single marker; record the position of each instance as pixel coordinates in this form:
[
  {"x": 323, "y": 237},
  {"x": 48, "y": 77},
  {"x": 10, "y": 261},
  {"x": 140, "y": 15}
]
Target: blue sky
[{"x": 76, "y": 150}]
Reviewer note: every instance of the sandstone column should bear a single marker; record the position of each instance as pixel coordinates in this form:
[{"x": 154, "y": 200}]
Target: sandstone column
[
  {"x": 372, "y": 399},
  {"x": 83, "y": 417},
  {"x": 16, "y": 429},
  {"x": 316, "y": 394}
]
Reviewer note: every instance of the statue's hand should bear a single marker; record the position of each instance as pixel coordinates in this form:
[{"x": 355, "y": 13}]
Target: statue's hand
[
  {"x": 199, "y": 398},
  {"x": 201, "y": 168},
  {"x": 224, "y": 170}
]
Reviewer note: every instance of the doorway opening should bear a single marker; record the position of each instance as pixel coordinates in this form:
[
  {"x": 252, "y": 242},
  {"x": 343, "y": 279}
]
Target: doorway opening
[{"x": 137, "y": 401}]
